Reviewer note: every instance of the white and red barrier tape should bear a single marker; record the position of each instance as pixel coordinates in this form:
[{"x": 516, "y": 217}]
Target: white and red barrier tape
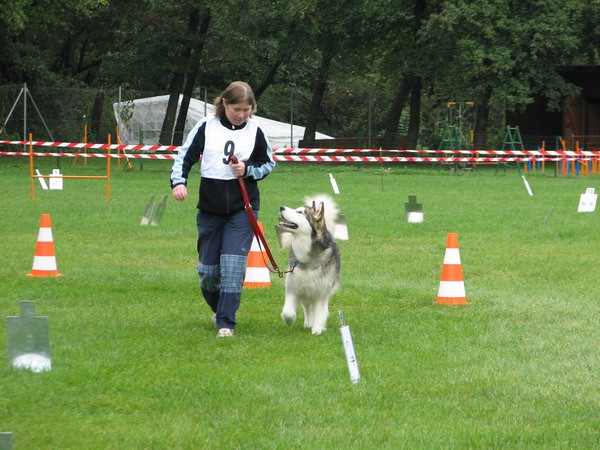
[
  {"x": 316, "y": 154},
  {"x": 318, "y": 158},
  {"x": 79, "y": 145},
  {"x": 91, "y": 155},
  {"x": 543, "y": 153}
]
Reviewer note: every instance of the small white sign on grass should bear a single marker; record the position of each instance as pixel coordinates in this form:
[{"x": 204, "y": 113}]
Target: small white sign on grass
[
  {"x": 587, "y": 201},
  {"x": 28, "y": 338},
  {"x": 56, "y": 180}
]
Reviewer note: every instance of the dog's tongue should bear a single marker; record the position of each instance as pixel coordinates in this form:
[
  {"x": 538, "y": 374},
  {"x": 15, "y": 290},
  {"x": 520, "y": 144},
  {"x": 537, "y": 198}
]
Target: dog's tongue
[{"x": 286, "y": 224}]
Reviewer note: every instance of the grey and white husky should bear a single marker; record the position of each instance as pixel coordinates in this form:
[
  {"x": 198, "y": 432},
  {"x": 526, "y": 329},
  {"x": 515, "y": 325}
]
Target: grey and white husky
[{"x": 315, "y": 258}]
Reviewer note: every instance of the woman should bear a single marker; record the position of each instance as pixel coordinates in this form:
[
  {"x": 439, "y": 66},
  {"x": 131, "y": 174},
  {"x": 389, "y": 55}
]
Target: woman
[{"x": 224, "y": 230}]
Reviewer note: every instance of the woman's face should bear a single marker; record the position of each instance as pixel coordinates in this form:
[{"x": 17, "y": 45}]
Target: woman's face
[{"x": 237, "y": 113}]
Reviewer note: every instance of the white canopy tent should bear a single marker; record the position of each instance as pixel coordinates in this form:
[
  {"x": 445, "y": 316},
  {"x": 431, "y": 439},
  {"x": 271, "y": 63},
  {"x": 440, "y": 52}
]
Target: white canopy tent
[{"x": 141, "y": 120}]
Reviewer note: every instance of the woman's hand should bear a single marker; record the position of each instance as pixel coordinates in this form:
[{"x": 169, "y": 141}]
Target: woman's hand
[
  {"x": 239, "y": 169},
  {"x": 180, "y": 192}
]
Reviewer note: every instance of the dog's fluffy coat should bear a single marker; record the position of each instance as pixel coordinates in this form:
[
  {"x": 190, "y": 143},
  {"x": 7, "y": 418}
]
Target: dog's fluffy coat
[{"x": 316, "y": 260}]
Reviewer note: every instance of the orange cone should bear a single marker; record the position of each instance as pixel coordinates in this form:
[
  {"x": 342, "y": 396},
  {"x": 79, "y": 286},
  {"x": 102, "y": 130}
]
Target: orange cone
[
  {"x": 44, "y": 261},
  {"x": 257, "y": 272},
  {"x": 452, "y": 285}
]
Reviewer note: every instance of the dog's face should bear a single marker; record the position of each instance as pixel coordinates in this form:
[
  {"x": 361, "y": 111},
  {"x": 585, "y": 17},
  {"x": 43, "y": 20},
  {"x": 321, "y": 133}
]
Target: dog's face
[{"x": 303, "y": 220}]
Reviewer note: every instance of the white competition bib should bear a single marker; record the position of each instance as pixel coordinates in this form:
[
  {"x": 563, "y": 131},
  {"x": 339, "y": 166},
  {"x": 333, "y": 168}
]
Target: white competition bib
[{"x": 220, "y": 143}]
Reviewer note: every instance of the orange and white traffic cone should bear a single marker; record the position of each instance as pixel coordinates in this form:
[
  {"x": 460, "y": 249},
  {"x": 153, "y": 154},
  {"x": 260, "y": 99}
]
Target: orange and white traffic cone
[
  {"x": 257, "y": 272},
  {"x": 452, "y": 284},
  {"x": 44, "y": 261}
]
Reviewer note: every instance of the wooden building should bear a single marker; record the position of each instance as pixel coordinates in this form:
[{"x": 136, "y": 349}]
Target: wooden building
[{"x": 579, "y": 121}]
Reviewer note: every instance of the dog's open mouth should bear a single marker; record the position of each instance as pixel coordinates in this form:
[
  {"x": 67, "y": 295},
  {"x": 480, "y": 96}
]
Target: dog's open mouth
[{"x": 287, "y": 224}]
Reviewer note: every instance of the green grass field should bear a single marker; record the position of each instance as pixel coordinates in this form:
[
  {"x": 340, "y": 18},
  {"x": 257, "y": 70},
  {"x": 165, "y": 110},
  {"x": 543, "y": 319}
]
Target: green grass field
[{"x": 136, "y": 364}]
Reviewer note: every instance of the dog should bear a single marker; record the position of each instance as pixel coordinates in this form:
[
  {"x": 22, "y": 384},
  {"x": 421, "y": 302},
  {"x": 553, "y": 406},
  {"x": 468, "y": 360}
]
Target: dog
[{"x": 315, "y": 259}]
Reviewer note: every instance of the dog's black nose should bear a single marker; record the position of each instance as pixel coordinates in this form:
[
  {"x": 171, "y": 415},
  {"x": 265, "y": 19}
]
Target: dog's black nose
[{"x": 281, "y": 208}]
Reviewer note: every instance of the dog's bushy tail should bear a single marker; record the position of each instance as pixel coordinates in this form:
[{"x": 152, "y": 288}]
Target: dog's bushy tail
[{"x": 332, "y": 211}]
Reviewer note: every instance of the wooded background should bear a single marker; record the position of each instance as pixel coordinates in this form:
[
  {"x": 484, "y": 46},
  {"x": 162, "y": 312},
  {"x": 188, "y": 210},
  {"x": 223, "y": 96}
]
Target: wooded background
[{"x": 352, "y": 69}]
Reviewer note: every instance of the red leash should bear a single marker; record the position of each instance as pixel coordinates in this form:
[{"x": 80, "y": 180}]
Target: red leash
[{"x": 257, "y": 232}]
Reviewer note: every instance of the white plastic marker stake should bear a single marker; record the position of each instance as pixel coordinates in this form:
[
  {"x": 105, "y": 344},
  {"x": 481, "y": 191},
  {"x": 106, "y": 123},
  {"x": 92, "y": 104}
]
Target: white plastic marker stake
[
  {"x": 527, "y": 185},
  {"x": 349, "y": 349},
  {"x": 42, "y": 181},
  {"x": 334, "y": 184}
]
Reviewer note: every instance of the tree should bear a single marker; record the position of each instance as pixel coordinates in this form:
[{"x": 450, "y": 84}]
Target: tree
[
  {"x": 402, "y": 56},
  {"x": 500, "y": 52},
  {"x": 331, "y": 32},
  {"x": 187, "y": 65}
]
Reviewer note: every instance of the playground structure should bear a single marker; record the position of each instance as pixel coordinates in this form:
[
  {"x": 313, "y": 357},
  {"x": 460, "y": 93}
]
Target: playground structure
[{"x": 452, "y": 137}]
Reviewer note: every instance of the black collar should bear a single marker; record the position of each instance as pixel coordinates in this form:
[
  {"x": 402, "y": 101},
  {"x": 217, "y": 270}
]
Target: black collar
[{"x": 226, "y": 123}]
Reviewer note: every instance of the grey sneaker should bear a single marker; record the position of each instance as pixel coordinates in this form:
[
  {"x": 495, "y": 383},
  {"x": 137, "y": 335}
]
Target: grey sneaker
[
  {"x": 225, "y": 332},
  {"x": 214, "y": 319}
]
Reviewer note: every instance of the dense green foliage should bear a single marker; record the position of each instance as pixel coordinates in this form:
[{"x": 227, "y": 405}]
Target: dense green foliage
[
  {"x": 403, "y": 59},
  {"x": 136, "y": 363}
]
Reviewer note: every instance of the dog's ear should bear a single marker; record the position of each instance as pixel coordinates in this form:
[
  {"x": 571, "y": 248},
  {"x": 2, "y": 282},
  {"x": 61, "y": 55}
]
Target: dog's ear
[{"x": 319, "y": 211}]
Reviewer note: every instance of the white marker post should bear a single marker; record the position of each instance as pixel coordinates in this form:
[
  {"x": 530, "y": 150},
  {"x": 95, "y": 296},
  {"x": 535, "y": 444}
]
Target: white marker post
[
  {"x": 42, "y": 181},
  {"x": 527, "y": 186},
  {"x": 334, "y": 184},
  {"x": 349, "y": 349},
  {"x": 341, "y": 228}
]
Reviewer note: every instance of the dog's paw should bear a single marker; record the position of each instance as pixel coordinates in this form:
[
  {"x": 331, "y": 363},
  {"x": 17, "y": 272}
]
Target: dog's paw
[
  {"x": 317, "y": 331},
  {"x": 288, "y": 318}
]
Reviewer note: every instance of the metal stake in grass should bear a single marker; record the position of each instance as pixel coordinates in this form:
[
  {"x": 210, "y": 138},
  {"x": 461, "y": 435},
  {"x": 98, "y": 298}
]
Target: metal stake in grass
[
  {"x": 349, "y": 350},
  {"x": 148, "y": 212},
  {"x": 548, "y": 216},
  {"x": 160, "y": 210},
  {"x": 381, "y": 171},
  {"x": 28, "y": 338}
]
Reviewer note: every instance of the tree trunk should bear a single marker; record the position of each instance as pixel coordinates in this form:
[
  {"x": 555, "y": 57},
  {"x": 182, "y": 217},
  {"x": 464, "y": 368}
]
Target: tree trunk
[
  {"x": 166, "y": 132},
  {"x": 315, "y": 105},
  {"x": 481, "y": 123},
  {"x": 190, "y": 83},
  {"x": 96, "y": 117},
  {"x": 415, "y": 113},
  {"x": 67, "y": 55},
  {"x": 393, "y": 118},
  {"x": 168, "y": 126},
  {"x": 184, "y": 108},
  {"x": 268, "y": 80}
]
